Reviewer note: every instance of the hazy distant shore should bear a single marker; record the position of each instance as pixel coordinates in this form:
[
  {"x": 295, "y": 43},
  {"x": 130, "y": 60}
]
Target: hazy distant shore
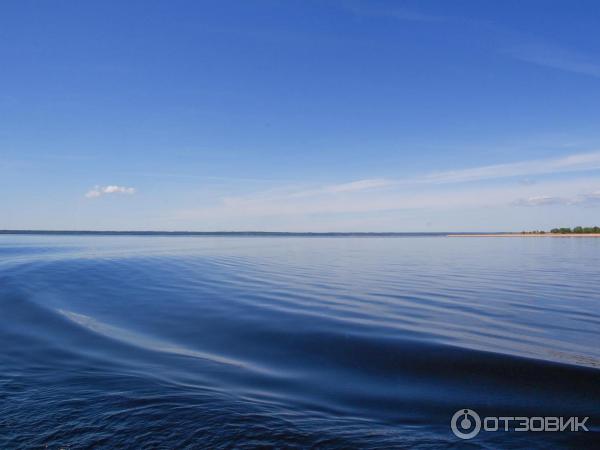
[
  {"x": 221, "y": 233},
  {"x": 287, "y": 234},
  {"x": 534, "y": 235}
]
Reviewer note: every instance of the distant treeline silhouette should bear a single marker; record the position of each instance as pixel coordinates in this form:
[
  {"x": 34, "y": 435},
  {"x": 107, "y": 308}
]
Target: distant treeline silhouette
[
  {"x": 576, "y": 230},
  {"x": 564, "y": 230}
]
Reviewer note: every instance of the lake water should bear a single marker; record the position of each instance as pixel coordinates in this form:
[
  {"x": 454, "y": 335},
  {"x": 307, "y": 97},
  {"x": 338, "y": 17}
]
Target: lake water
[{"x": 344, "y": 342}]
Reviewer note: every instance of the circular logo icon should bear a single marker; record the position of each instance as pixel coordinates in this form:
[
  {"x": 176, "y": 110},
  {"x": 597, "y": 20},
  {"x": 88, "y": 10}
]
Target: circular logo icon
[{"x": 465, "y": 423}]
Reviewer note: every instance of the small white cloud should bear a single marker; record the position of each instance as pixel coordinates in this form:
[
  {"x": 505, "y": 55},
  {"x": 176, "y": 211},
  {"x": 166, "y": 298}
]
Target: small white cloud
[{"x": 99, "y": 191}]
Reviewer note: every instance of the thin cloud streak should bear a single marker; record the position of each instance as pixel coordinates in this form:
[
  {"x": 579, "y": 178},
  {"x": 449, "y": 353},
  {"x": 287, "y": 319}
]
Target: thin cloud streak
[
  {"x": 557, "y": 58},
  {"x": 540, "y": 201},
  {"x": 529, "y": 49},
  {"x": 375, "y": 195},
  {"x": 571, "y": 192},
  {"x": 365, "y": 9},
  {"x": 571, "y": 163},
  {"x": 350, "y": 187},
  {"x": 591, "y": 198}
]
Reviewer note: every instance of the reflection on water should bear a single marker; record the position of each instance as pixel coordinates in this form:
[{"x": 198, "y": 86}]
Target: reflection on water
[{"x": 185, "y": 342}]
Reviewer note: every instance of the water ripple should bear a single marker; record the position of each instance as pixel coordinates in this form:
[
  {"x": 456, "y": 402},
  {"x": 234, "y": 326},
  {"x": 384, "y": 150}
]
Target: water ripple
[{"x": 172, "y": 342}]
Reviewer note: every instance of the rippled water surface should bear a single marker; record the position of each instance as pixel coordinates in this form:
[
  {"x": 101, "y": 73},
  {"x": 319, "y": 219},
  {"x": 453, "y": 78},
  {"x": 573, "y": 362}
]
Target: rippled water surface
[{"x": 233, "y": 342}]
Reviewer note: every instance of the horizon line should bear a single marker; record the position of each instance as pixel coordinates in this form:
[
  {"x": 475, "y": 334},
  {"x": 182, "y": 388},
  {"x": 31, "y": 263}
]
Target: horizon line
[{"x": 245, "y": 233}]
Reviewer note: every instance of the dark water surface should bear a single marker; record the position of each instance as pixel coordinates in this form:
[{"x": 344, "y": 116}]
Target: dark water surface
[{"x": 233, "y": 342}]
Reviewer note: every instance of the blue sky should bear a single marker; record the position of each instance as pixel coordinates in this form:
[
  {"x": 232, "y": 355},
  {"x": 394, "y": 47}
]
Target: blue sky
[{"x": 299, "y": 115}]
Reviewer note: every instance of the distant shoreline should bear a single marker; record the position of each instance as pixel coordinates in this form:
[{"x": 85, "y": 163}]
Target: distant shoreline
[
  {"x": 285, "y": 234},
  {"x": 220, "y": 233},
  {"x": 535, "y": 235}
]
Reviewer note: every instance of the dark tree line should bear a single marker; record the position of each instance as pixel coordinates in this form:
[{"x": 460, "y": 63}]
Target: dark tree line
[{"x": 576, "y": 230}]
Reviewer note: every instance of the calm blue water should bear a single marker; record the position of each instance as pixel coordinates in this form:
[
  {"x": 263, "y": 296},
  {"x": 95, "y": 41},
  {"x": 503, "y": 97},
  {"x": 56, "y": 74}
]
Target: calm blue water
[{"x": 222, "y": 342}]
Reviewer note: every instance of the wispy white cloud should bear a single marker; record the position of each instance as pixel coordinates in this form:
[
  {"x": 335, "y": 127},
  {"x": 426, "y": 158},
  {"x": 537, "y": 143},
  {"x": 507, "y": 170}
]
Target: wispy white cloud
[
  {"x": 528, "y": 48},
  {"x": 341, "y": 188},
  {"x": 593, "y": 197},
  {"x": 99, "y": 191},
  {"x": 556, "y": 57},
  {"x": 590, "y": 198},
  {"x": 440, "y": 191},
  {"x": 396, "y": 12},
  {"x": 541, "y": 200},
  {"x": 571, "y": 163},
  {"x": 522, "y": 169},
  {"x": 360, "y": 185}
]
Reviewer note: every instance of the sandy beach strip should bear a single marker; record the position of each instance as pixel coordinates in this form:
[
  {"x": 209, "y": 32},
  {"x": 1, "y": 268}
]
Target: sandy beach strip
[{"x": 550, "y": 235}]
